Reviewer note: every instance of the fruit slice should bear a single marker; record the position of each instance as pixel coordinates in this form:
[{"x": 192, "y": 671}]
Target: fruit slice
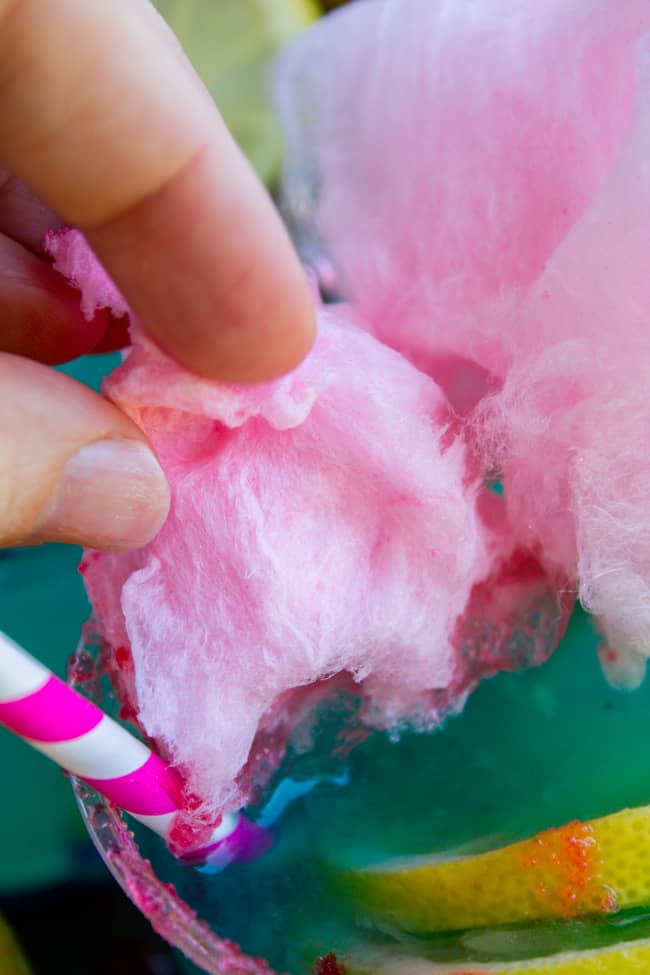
[
  {"x": 629, "y": 959},
  {"x": 11, "y": 961},
  {"x": 231, "y": 44},
  {"x": 596, "y": 867}
]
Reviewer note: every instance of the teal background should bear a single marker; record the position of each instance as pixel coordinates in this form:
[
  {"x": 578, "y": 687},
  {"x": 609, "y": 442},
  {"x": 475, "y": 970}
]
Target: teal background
[{"x": 43, "y": 606}]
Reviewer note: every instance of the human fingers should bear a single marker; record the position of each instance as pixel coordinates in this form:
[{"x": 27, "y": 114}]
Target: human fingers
[
  {"x": 40, "y": 316},
  {"x": 23, "y": 217},
  {"x": 73, "y": 468},
  {"x": 103, "y": 121}
]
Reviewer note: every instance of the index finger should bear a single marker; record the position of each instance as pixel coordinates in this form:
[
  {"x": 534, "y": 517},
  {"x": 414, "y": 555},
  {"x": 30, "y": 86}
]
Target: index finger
[{"x": 102, "y": 119}]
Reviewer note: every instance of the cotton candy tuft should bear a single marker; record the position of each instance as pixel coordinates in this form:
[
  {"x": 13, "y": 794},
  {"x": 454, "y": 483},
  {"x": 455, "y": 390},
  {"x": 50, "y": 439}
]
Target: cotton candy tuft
[
  {"x": 467, "y": 446},
  {"x": 478, "y": 176},
  {"x": 319, "y": 527}
]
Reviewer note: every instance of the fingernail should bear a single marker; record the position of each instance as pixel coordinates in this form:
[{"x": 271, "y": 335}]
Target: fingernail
[{"x": 112, "y": 495}]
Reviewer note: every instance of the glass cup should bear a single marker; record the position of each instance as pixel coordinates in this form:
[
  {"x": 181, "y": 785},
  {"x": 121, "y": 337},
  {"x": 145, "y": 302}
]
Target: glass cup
[
  {"x": 538, "y": 748},
  {"x": 125, "y": 848}
]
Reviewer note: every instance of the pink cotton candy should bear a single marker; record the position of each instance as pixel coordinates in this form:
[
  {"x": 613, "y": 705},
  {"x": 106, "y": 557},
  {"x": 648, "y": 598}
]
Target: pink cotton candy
[
  {"x": 573, "y": 418},
  {"x": 320, "y": 524},
  {"x": 477, "y": 173},
  {"x": 76, "y": 262},
  {"x": 480, "y": 178},
  {"x": 450, "y": 146}
]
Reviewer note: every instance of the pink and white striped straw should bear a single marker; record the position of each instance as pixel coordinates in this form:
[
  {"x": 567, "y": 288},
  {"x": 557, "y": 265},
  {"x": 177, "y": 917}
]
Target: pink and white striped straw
[{"x": 77, "y": 735}]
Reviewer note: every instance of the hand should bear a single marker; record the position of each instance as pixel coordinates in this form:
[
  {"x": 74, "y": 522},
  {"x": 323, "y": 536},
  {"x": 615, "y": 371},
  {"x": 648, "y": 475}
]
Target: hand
[{"x": 104, "y": 125}]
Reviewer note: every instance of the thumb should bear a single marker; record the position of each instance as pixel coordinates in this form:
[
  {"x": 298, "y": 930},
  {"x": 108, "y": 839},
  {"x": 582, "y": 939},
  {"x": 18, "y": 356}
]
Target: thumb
[{"x": 72, "y": 467}]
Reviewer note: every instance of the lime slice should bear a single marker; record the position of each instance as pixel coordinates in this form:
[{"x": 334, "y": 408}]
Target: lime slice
[
  {"x": 11, "y": 961},
  {"x": 231, "y": 44},
  {"x": 629, "y": 959},
  {"x": 597, "y": 867}
]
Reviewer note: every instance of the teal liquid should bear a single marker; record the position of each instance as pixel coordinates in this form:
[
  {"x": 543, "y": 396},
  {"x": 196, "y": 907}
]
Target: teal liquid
[{"x": 531, "y": 750}]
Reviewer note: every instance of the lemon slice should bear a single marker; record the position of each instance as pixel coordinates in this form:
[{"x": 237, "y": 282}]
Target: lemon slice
[
  {"x": 629, "y": 959},
  {"x": 11, "y": 961},
  {"x": 231, "y": 44},
  {"x": 597, "y": 867}
]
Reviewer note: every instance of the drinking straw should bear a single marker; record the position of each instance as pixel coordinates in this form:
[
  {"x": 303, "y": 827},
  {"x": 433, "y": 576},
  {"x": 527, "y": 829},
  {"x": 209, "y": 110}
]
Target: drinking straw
[{"x": 43, "y": 711}]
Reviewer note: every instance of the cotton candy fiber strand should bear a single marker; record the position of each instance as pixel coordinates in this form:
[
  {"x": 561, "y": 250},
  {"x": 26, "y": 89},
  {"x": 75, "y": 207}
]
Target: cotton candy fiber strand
[{"x": 477, "y": 172}]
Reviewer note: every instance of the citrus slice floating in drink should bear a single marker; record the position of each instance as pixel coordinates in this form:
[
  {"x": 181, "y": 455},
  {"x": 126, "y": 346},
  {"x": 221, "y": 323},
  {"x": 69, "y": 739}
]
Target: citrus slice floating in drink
[
  {"x": 591, "y": 868},
  {"x": 231, "y": 44},
  {"x": 632, "y": 958}
]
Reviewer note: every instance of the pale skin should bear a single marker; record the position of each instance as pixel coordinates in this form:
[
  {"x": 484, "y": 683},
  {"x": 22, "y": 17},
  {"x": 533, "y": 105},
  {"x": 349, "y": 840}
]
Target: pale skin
[{"x": 104, "y": 125}]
